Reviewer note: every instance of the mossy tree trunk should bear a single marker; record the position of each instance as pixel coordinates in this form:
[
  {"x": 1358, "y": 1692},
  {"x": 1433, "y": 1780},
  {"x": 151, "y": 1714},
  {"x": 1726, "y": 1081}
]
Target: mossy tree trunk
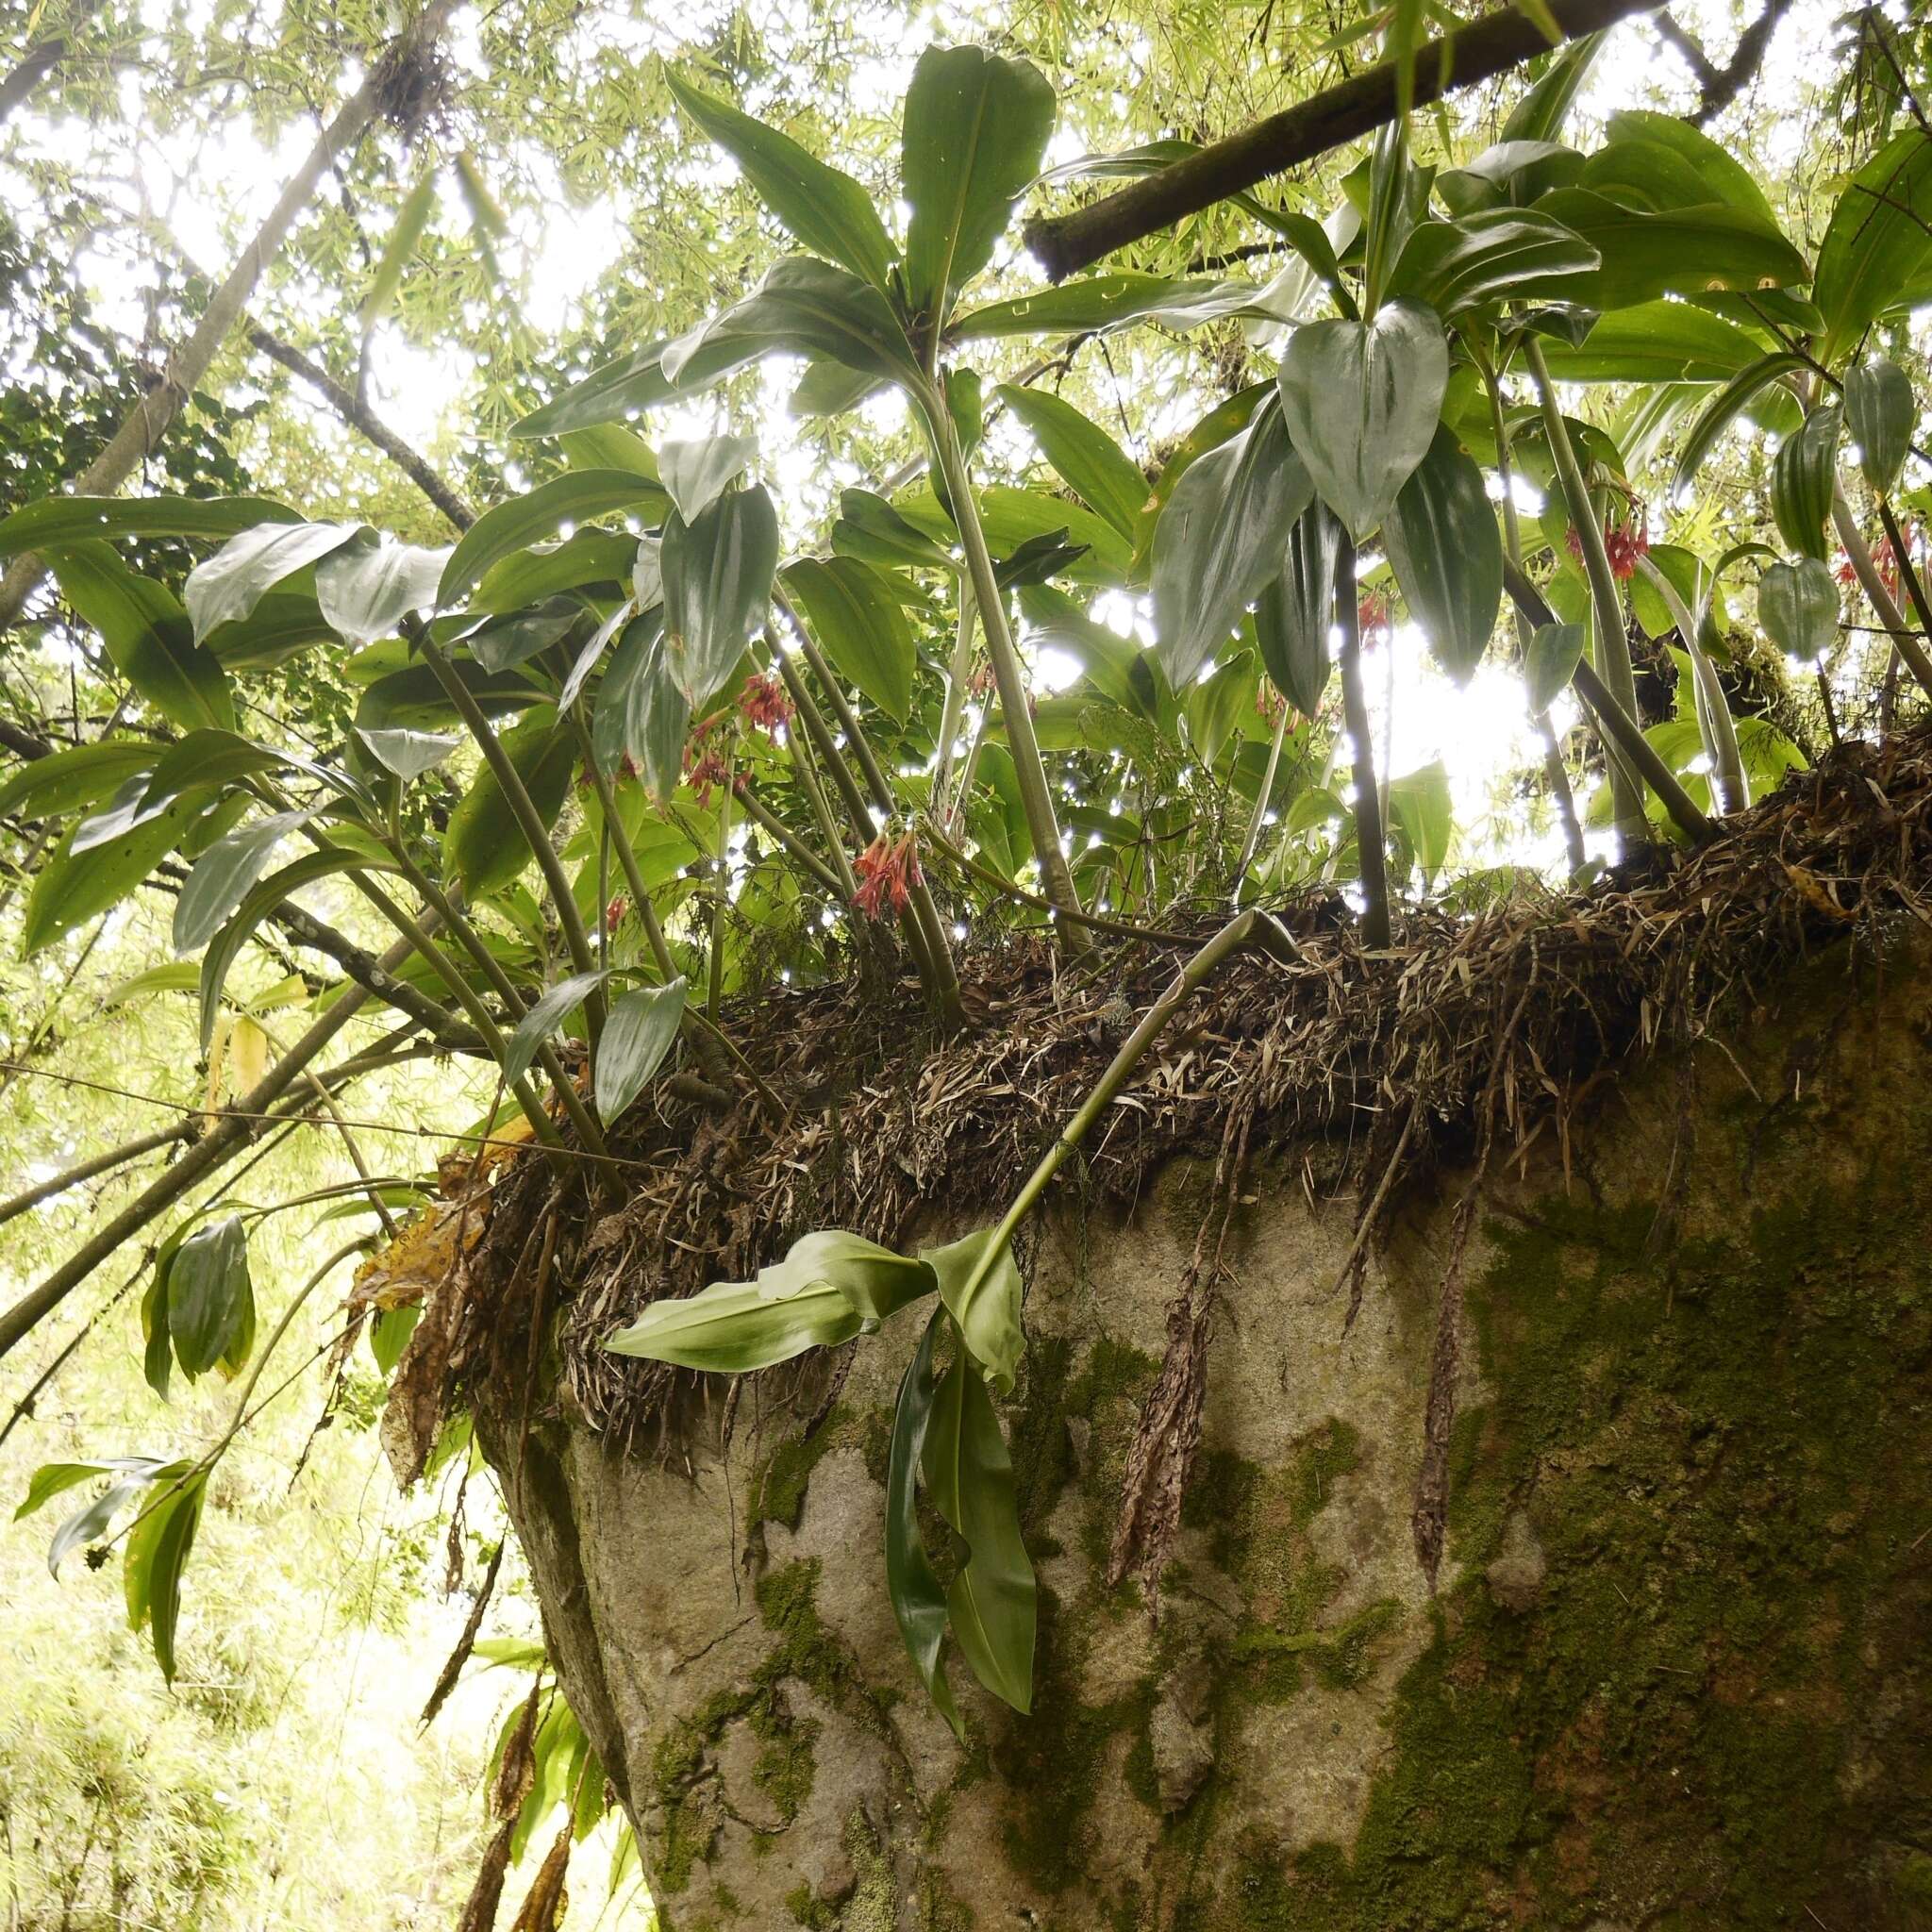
[{"x": 1674, "y": 1672}]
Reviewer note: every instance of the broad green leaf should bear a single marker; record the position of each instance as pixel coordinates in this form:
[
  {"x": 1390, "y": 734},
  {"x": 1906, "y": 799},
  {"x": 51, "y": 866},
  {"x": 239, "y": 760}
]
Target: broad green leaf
[
  {"x": 1292, "y": 621},
  {"x": 1419, "y": 804},
  {"x": 1517, "y": 253},
  {"x": 609, "y": 446},
  {"x": 1881, "y": 415},
  {"x": 968, "y": 1475},
  {"x": 869, "y": 528},
  {"x": 1644, "y": 174},
  {"x": 1656, "y": 341},
  {"x": 616, "y": 391},
  {"x": 229, "y": 585},
  {"x": 1447, "y": 555},
  {"x": 831, "y": 389},
  {"x": 149, "y": 636},
  {"x": 641, "y": 712},
  {"x": 221, "y": 877},
  {"x": 1804, "y": 475},
  {"x": 859, "y": 626},
  {"x": 1797, "y": 604},
  {"x": 1097, "y": 304},
  {"x": 210, "y": 1297},
  {"x": 364, "y": 592},
  {"x": 1877, "y": 242},
  {"x": 717, "y": 587},
  {"x": 1722, "y": 410},
  {"x": 77, "y": 776},
  {"x": 210, "y": 756},
  {"x": 573, "y": 497},
  {"x": 58, "y": 521},
  {"x": 72, "y": 887},
  {"x": 155, "y": 1555},
  {"x": 415, "y": 700},
  {"x": 1115, "y": 665},
  {"x": 830, "y": 212},
  {"x": 506, "y": 642},
  {"x": 1224, "y": 420},
  {"x": 1723, "y": 178},
  {"x": 1221, "y": 540},
  {"x": 485, "y": 846},
  {"x": 405, "y": 232},
  {"x": 1398, "y": 198},
  {"x": 388, "y": 1334},
  {"x": 974, "y": 133},
  {"x": 591, "y": 654},
  {"x": 802, "y": 308},
  {"x": 1555, "y": 651},
  {"x": 1683, "y": 251},
  {"x": 282, "y": 625},
  {"x": 696, "y": 473},
  {"x": 587, "y": 557},
  {"x": 1541, "y": 113},
  {"x": 1360, "y": 402},
  {"x": 1508, "y": 174},
  {"x": 1215, "y": 707},
  {"x": 1083, "y": 452},
  {"x": 546, "y": 1014},
  {"x": 408, "y": 754},
  {"x": 981, "y": 1290},
  {"x": 55, "y": 1479},
  {"x": 637, "y": 1035},
  {"x": 918, "y": 1599}
]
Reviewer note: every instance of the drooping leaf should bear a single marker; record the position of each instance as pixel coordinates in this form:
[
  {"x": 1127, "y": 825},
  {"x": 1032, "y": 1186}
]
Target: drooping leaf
[
  {"x": 1360, "y": 402},
  {"x": 697, "y": 473},
  {"x": 830, "y": 212},
  {"x": 638, "y": 1034},
  {"x": 969, "y": 1473},
  {"x": 717, "y": 584},
  {"x": 859, "y": 626},
  {"x": 1656, "y": 341},
  {"x": 229, "y": 585},
  {"x": 149, "y": 635},
  {"x": 1221, "y": 540},
  {"x": 1541, "y": 113},
  {"x": 73, "y": 887},
  {"x": 831, "y": 389},
  {"x": 615, "y": 392},
  {"x": 1723, "y": 408},
  {"x": 56, "y": 521},
  {"x": 1447, "y": 554},
  {"x": 1214, "y": 707},
  {"x": 641, "y": 712},
  {"x": 415, "y": 700},
  {"x": 364, "y": 592},
  {"x": 975, "y": 130},
  {"x": 1097, "y": 304},
  {"x": 408, "y": 754},
  {"x": 1555, "y": 651},
  {"x": 571, "y": 498},
  {"x": 1509, "y": 173},
  {"x": 918, "y": 1599},
  {"x": 1720, "y": 176},
  {"x": 1083, "y": 452},
  {"x": 210, "y": 1296},
  {"x": 1797, "y": 604},
  {"x": 545, "y": 1015},
  {"x": 1521, "y": 253},
  {"x": 1881, "y": 415},
  {"x": 76, "y": 776},
  {"x": 152, "y": 1564},
  {"x": 1876, "y": 243},
  {"x": 1293, "y": 619},
  {"x": 980, "y": 1288},
  {"x": 486, "y": 847},
  {"x": 514, "y": 638},
  {"x": 1646, "y": 255},
  {"x": 869, "y": 528},
  {"x": 221, "y": 877},
  {"x": 1804, "y": 475}
]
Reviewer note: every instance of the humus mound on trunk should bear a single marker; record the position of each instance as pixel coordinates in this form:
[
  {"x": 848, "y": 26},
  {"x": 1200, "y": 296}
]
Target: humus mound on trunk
[{"x": 1642, "y": 1356}]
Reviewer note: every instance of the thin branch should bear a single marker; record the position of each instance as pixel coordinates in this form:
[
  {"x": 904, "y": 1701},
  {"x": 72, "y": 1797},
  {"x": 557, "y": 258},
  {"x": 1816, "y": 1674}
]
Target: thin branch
[
  {"x": 1723, "y": 86},
  {"x": 41, "y": 56}
]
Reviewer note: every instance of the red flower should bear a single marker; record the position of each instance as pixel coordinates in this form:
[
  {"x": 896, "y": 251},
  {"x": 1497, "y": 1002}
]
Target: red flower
[
  {"x": 1269, "y": 703},
  {"x": 764, "y": 703},
  {"x": 979, "y": 685},
  {"x": 613, "y": 913},
  {"x": 887, "y": 870},
  {"x": 1624, "y": 543},
  {"x": 1371, "y": 615}
]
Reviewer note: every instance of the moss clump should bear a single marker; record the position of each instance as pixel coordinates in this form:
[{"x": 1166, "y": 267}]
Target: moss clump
[{"x": 779, "y": 1482}]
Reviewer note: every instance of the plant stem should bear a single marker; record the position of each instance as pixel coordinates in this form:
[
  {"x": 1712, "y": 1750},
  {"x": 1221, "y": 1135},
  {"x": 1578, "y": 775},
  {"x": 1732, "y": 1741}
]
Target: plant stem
[
  {"x": 957, "y": 672},
  {"x": 1713, "y": 713},
  {"x": 528, "y": 817},
  {"x": 99, "y": 1164},
  {"x": 721, "y": 901},
  {"x": 1916, "y": 591},
  {"x": 802, "y": 853},
  {"x": 1036, "y": 793},
  {"x": 1612, "y": 646},
  {"x": 1355, "y": 711},
  {"x": 1262, "y": 797}
]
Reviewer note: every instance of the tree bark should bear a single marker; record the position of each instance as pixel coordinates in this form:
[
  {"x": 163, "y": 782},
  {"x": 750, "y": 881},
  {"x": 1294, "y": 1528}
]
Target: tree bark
[
  {"x": 1359, "y": 106},
  {"x": 150, "y": 419},
  {"x": 1676, "y": 1668},
  {"x": 41, "y": 56}
]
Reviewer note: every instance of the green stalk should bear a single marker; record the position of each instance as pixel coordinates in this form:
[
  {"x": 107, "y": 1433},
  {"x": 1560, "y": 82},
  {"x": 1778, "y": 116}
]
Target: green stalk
[
  {"x": 957, "y": 672},
  {"x": 528, "y": 817},
  {"x": 808, "y": 860},
  {"x": 1036, "y": 793},
  {"x": 1612, "y": 646},
  {"x": 714, "y": 989},
  {"x": 1260, "y": 812},
  {"x": 804, "y": 769},
  {"x": 1369, "y": 854},
  {"x": 1714, "y": 724}
]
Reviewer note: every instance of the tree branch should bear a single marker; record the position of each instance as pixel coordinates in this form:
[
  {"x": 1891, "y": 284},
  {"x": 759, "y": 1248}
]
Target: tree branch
[
  {"x": 38, "y": 58},
  {"x": 1723, "y": 85},
  {"x": 1478, "y": 52}
]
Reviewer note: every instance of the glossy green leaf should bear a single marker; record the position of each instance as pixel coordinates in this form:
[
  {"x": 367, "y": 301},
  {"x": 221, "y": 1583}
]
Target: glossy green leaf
[
  {"x": 1215, "y": 707},
  {"x": 571, "y": 498},
  {"x": 717, "y": 587},
  {"x": 221, "y": 877},
  {"x": 1360, "y": 402},
  {"x": 73, "y": 887},
  {"x": 210, "y": 1295},
  {"x": 149, "y": 636},
  {"x": 641, "y": 712},
  {"x": 869, "y": 528},
  {"x": 152, "y": 1561},
  {"x": 1447, "y": 553},
  {"x": 1674, "y": 251},
  {"x": 409, "y": 754},
  {"x": 975, "y": 134},
  {"x": 485, "y": 846},
  {"x": 1722, "y": 177},
  {"x": 1293, "y": 619},
  {"x": 1798, "y": 606},
  {"x": 981, "y": 1290},
  {"x": 1509, "y": 173},
  {"x": 364, "y": 592},
  {"x": 586, "y": 558},
  {"x": 231, "y": 583},
  {"x": 1521, "y": 253},
  {"x": 1221, "y": 540},
  {"x": 859, "y": 626},
  {"x": 545, "y": 1015},
  {"x": 969, "y": 1473},
  {"x": 1656, "y": 341},
  {"x": 1398, "y": 198},
  {"x": 505, "y": 643},
  {"x": 1723, "y": 408},
  {"x": 1804, "y": 475},
  {"x": 1541, "y": 113},
  {"x": 1097, "y": 304},
  {"x": 831, "y": 389},
  {"x": 1083, "y": 452},
  {"x": 918, "y": 1599},
  {"x": 637, "y": 1035},
  {"x": 58, "y": 520},
  {"x": 1881, "y": 415},
  {"x": 830, "y": 212},
  {"x": 1876, "y": 243},
  {"x": 414, "y": 699},
  {"x": 696, "y": 473},
  {"x": 1549, "y": 664},
  {"x": 1423, "y": 816},
  {"x": 615, "y": 392},
  {"x": 76, "y": 776}
]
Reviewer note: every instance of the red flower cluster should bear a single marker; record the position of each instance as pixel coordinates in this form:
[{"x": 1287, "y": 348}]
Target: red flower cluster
[
  {"x": 979, "y": 685},
  {"x": 1624, "y": 543},
  {"x": 1371, "y": 615},
  {"x": 613, "y": 913},
  {"x": 1884, "y": 559},
  {"x": 764, "y": 703},
  {"x": 1269, "y": 703},
  {"x": 706, "y": 766},
  {"x": 887, "y": 870}
]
